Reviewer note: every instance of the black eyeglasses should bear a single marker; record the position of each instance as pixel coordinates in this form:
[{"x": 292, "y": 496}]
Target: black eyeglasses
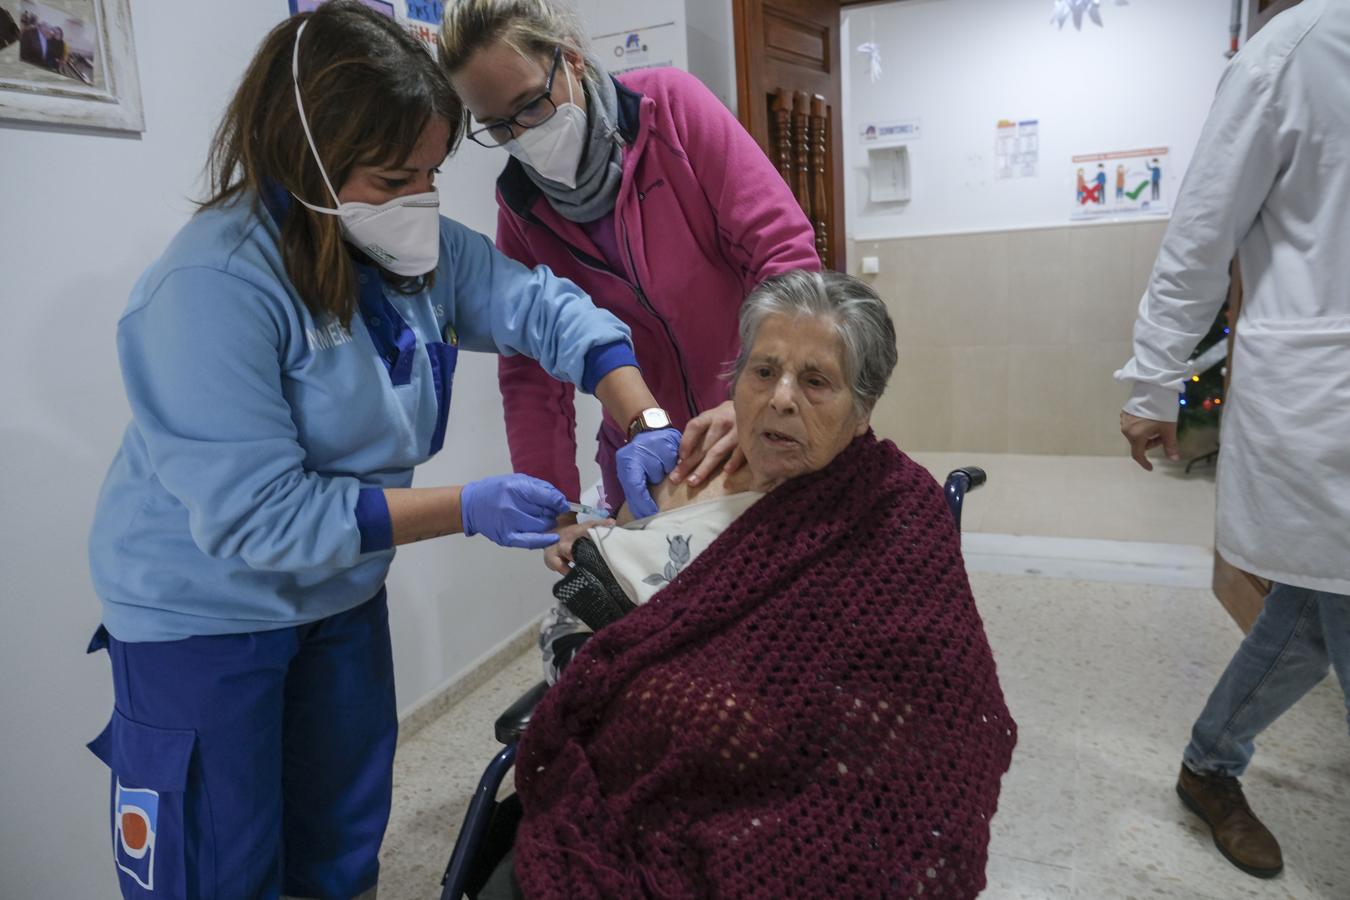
[{"x": 531, "y": 114}]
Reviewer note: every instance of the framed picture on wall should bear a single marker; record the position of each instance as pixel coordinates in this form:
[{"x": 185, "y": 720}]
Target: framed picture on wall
[{"x": 69, "y": 62}]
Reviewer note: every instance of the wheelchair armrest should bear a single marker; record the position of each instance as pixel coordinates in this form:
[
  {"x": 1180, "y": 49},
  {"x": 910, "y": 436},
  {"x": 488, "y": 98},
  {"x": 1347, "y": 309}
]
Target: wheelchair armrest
[
  {"x": 511, "y": 724},
  {"x": 976, "y": 475}
]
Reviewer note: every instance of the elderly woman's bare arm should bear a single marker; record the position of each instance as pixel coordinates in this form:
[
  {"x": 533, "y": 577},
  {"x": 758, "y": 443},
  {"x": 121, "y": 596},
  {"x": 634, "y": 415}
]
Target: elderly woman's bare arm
[{"x": 558, "y": 557}]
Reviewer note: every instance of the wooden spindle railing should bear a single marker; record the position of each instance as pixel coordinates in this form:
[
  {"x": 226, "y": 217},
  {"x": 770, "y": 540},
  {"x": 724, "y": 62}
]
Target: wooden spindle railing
[
  {"x": 820, "y": 200},
  {"x": 799, "y": 137},
  {"x": 801, "y": 145},
  {"x": 780, "y": 115}
]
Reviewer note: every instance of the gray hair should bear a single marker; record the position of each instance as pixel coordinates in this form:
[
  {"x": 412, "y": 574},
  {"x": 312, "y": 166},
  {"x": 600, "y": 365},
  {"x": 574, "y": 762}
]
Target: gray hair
[{"x": 860, "y": 319}]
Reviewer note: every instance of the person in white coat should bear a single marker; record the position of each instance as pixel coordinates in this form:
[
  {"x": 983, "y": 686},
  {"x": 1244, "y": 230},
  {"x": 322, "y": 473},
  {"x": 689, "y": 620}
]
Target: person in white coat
[{"x": 1271, "y": 181}]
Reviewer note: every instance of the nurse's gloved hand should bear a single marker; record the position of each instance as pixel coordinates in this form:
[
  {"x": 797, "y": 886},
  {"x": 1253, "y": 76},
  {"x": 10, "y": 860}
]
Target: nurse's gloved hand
[
  {"x": 512, "y": 510},
  {"x": 646, "y": 460}
]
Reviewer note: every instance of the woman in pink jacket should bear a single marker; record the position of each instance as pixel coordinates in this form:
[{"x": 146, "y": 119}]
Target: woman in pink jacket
[{"x": 646, "y": 192}]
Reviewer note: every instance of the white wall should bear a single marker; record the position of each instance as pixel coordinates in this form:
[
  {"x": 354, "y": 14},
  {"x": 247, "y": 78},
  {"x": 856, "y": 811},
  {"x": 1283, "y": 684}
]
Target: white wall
[
  {"x": 81, "y": 214},
  {"x": 613, "y": 17},
  {"x": 703, "y": 44},
  {"x": 712, "y": 47},
  {"x": 1144, "y": 80}
]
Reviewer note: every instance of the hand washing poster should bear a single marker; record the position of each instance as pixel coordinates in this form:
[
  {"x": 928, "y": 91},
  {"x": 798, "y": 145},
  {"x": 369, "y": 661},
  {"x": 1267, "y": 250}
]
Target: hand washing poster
[{"x": 1124, "y": 183}]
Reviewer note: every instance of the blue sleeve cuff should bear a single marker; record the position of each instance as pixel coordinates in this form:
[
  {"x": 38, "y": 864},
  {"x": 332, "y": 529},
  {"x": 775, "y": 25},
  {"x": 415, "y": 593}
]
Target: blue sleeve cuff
[
  {"x": 602, "y": 360},
  {"x": 372, "y": 518}
]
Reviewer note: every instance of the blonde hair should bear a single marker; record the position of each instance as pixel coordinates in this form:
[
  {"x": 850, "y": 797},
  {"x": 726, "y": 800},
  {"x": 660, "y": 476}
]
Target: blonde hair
[{"x": 526, "y": 26}]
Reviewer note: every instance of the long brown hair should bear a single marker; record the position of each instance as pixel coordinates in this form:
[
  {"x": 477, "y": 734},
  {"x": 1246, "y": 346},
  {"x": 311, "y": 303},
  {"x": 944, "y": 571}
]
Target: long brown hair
[{"x": 369, "y": 90}]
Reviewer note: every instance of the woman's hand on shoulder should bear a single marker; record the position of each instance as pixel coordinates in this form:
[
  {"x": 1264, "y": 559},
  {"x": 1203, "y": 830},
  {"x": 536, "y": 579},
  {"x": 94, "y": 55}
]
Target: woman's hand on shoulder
[
  {"x": 558, "y": 557},
  {"x": 709, "y": 441}
]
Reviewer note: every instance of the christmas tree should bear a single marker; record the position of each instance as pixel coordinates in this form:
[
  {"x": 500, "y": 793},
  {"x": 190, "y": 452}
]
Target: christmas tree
[{"x": 1202, "y": 401}]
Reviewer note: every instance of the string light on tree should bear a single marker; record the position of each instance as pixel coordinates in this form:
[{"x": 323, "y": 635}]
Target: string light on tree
[{"x": 1202, "y": 398}]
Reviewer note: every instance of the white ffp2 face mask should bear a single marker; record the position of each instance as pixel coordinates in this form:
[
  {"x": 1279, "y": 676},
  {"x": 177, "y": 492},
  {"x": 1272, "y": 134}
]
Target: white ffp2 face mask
[
  {"x": 554, "y": 148},
  {"x": 403, "y": 235}
]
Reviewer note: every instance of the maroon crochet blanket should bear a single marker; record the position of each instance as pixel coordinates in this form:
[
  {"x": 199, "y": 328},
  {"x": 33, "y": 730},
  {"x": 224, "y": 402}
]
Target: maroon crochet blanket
[{"x": 810, "y": 709}]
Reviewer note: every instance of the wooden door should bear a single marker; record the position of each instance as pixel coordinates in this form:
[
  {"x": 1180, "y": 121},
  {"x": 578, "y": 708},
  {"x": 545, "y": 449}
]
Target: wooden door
[{"x": 789, "y": 95}]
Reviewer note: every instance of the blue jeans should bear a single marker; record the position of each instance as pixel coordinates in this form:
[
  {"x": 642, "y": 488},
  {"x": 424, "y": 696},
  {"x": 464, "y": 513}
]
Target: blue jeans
[
  {"x": 248, "y": 766},
  {"x": 1297, "y": 636}
]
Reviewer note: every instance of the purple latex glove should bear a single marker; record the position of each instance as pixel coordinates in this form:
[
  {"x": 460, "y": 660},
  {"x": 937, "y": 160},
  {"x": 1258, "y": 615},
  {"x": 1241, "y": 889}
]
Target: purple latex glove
[
  {"x": 512, "y": 510},
  {"x": 646, "y": 460}
]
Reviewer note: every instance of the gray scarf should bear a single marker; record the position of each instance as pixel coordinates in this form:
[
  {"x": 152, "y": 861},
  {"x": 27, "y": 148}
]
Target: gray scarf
[{"x": 601, "y": 167}]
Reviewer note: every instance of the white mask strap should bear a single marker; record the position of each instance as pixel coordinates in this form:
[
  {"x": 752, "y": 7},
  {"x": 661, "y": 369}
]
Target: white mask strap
[{"x": 304, "y": 120}]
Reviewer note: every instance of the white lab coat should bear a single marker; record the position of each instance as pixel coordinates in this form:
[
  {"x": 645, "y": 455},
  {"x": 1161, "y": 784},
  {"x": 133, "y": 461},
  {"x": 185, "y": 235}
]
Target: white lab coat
[{"x": 1271, "y": 180}]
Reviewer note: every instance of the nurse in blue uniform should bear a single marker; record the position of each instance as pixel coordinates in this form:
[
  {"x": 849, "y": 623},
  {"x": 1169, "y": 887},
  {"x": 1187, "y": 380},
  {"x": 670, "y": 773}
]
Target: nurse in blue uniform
[{"x": 289, "y": 360}]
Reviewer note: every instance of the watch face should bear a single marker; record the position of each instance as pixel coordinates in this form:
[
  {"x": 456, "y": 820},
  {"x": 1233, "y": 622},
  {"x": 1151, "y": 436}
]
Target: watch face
[
  {"x": 649, "y": 420},
  {"x": 653, "y": 419}
]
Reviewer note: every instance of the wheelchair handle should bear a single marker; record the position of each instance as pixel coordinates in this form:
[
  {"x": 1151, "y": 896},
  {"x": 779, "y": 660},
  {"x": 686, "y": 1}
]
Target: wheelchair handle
[
  {"x": 976, "y": 475},
  {"x": 959, "y": 482}
]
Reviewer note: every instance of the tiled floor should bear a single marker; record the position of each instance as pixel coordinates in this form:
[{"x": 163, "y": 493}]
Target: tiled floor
[
  {"x": 435, "y": 773},
  {"x": 1104, "y": 680}
]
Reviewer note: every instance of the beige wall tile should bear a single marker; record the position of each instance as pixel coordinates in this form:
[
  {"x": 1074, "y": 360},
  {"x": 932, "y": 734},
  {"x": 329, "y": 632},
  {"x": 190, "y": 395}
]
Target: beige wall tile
[
  {"x": 1038, "y": 392},
  {"x": 965, "y": 277},
  {"x": 1101, "y": 303},
  {"x": 1095, "y": 397},
  {"x": 1147, "y": 239},
  {"x": 980, "y": 399},
  {"x": 1040, "y": 281},
  {"x": 945, "y": 291},
  {"x": 914, "y": 319},
  {"x": 856, "y": 251},
  {"x": 1008, "y": 340},
  {"x": 916, "y": 410},
  {"x": 908, "y": 284}
]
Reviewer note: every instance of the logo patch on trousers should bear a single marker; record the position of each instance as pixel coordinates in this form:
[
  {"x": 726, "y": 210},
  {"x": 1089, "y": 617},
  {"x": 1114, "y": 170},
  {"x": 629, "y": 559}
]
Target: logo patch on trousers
[{"x": 135, "y": 818}]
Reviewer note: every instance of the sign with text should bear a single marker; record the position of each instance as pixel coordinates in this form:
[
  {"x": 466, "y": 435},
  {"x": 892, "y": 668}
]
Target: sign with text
[{"x": 646, "y": 47}]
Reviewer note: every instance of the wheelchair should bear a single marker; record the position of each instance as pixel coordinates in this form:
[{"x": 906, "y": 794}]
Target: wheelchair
[{"x": 489, "y": 824}]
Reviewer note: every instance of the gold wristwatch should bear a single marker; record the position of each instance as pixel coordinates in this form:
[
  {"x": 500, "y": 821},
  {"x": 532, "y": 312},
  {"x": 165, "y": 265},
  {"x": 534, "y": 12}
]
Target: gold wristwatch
[{"x": 648, "y": 420}]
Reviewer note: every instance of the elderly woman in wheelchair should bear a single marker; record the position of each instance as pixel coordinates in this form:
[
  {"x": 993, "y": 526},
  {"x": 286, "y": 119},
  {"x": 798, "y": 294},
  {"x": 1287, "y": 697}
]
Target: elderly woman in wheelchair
[{"x": 779, "y": 686}]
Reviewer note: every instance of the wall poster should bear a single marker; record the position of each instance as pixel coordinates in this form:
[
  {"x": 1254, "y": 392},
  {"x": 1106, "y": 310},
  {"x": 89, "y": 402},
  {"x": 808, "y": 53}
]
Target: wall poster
[
  {"x": 1017, "y": 148},
  {"x": 1121, "y": 183}
]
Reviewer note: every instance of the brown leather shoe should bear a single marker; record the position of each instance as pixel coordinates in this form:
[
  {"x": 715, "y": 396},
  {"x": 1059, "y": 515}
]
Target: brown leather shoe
[{"x": 1238, "y": 834}]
